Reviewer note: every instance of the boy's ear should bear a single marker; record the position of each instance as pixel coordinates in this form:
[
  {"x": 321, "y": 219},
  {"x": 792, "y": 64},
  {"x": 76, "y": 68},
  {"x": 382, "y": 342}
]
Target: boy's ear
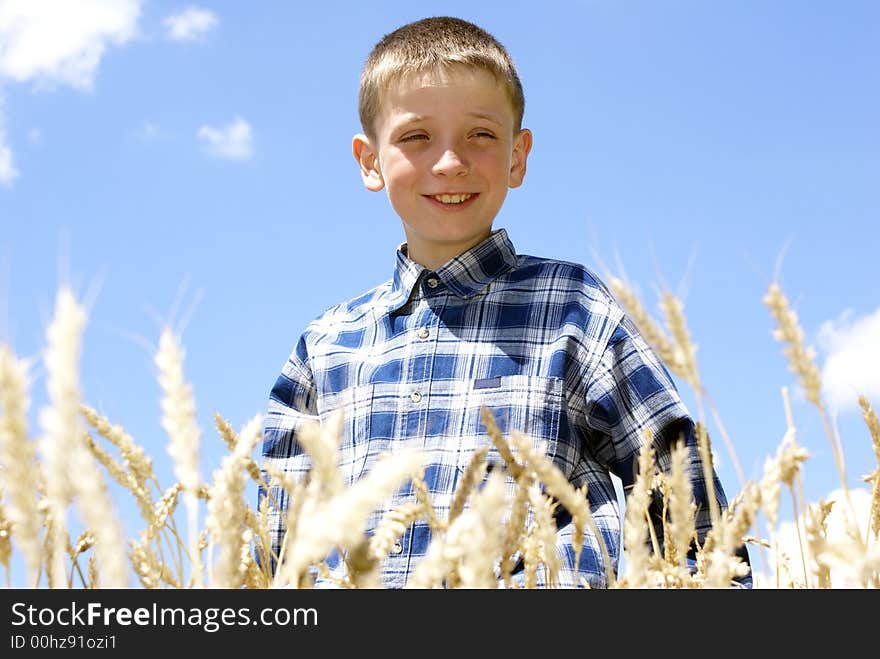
[
  {"x": 368, "y": 161},
  {"x": 522, "y": 144}
]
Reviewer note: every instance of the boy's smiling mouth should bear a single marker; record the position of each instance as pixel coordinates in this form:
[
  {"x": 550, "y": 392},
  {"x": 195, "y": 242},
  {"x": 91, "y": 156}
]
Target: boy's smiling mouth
[{"x": 459, "y": 199}]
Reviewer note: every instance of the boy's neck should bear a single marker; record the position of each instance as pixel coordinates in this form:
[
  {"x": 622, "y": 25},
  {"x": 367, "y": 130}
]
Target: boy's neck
[{"x": 432, "y": 255}]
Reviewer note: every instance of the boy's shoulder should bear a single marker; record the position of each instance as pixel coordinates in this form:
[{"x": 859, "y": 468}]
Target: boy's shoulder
[
  {"x": 353, "y": 309},
  {"x": 568, "y": 274}
]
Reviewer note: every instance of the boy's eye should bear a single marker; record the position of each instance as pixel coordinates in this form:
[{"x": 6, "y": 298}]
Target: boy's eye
[
  {"x": 414, "y": 137},
  {"x": 484, "y": 133}
]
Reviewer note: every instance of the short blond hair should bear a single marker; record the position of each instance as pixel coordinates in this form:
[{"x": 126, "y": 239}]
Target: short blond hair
[{"x": 438, "y": 42}]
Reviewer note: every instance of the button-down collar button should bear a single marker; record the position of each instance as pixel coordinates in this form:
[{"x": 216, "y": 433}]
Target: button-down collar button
[
  {"x": 433, "y": 282},
  {"x": 423, "y": 333},
  {"x": 415, "y": 396},
  {"x": 396, "y": 548}
]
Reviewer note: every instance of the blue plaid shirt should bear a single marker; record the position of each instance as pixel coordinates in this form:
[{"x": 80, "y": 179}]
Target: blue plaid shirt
[{"x": 540, "y": 342}]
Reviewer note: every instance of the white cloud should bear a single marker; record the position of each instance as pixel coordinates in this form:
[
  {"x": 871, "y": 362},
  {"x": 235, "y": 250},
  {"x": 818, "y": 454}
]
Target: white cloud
[
  {"x": 51, "y": 42},
  {"x": 191, "y": 24},
  {"x": 8, "y": 172},
  {"x": 232, "y": 142},
  {"x": 852, "y": 364},
  {"x": 58, "y": 41}
]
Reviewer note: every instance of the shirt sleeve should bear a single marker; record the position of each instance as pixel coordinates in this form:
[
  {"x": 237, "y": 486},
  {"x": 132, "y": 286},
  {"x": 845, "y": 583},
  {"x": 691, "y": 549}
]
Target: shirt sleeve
[
  {"x": 631, "y": 392},
  {"x": 292, "y": 402}
]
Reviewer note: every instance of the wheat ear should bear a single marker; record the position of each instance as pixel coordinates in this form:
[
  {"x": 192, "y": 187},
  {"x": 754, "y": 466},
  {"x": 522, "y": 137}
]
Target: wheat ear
[
  {"x": 392, "y": 526},
  {"x": 226, "y": 509},
  {"x": 65, "y": 452},
  {"x": 873, "y": 424},
  {"x": 340, "y": 521},
  {"x": 573, "y": 499},
  {"x": 635, "y": 533},
  {"x": 135, "y": 459},
  {"x": 17, "y": 456},
  {"x": 649, "y": 329},
  {"x": 473, "y": 475},
  {"x": 500, "y": 443},
  {"x": 465, "y": 554},
  {"x": 681, "y": 508},
  {"x": 60, "y": 424},
  {"x": 515, "y": 529},
  {"x": 802, "y": 361},
  {"x": 179, "y": 422}
]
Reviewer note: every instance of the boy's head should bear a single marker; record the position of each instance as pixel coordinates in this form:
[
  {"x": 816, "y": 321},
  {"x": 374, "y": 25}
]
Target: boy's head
[
  {"x": 441, "y": 107},
  {"x": 432, "y": 44}
]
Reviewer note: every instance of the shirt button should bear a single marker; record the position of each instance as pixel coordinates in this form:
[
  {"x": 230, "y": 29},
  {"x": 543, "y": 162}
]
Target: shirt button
[
  {"x": 396, "y": 548},
  {"x": 432, "y": 282},
  {"x": 423, "y": 333},
  {"x": 415, "y": 396}
]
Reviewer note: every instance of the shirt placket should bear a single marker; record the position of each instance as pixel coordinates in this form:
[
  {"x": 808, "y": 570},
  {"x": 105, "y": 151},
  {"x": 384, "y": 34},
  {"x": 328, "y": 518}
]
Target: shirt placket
[
  {"x": 423, "y": 343},
  {"x": 422, "y": 351}
]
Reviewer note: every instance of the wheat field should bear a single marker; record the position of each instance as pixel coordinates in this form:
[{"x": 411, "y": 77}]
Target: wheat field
[{"x": 205, "y": 534}]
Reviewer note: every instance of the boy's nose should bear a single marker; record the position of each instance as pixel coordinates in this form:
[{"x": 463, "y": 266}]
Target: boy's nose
[{"x": 450, "y": 163}]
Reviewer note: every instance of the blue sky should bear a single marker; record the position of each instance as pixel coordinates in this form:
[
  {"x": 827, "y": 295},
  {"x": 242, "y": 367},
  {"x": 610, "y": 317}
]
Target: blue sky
[{"x": 178, "y": 162}]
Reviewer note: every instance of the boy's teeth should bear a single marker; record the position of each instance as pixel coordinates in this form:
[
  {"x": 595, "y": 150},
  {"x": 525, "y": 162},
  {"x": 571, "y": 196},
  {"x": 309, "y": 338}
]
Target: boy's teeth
[{"x": 452, "y": 198}]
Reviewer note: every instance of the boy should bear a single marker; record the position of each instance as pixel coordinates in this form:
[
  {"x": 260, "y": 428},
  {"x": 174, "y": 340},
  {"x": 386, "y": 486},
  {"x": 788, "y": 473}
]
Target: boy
[{"x": 465, "y": 322}]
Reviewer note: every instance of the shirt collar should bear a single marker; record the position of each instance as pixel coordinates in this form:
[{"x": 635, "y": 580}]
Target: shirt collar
[{"x": 465, "y": 275}]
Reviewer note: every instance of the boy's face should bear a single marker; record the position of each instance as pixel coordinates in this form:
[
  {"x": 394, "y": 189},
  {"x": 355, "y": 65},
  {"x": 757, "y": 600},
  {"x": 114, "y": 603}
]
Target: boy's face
[{"x": 446, "y": 152}]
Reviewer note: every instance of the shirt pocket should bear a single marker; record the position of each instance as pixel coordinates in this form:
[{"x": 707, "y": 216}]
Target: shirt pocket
[
  {"x": 531, "y": 405},
  {"x": 355, "y": 405}
]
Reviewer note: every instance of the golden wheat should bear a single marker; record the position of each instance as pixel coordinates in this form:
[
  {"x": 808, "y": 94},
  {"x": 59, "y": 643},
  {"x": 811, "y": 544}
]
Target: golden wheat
[{"x": 492, "y": 521}]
